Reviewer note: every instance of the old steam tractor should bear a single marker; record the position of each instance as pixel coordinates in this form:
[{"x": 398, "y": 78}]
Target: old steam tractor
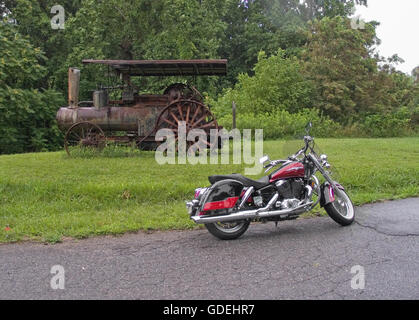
[{"x": 135, "y": 118}]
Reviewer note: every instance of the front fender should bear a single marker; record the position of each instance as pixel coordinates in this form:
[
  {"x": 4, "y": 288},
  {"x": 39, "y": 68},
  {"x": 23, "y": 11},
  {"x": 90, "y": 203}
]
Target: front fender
[{"x": 327, "y": 194}]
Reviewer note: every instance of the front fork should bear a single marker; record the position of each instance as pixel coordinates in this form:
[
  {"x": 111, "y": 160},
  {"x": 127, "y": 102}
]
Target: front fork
[
  {"x": 328, "y": 188},
  {"x": 327, "y": 194}
]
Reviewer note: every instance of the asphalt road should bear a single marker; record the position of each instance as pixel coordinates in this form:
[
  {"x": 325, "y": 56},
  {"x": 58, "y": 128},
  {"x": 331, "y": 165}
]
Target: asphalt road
[{"x": 303, "y": 259}]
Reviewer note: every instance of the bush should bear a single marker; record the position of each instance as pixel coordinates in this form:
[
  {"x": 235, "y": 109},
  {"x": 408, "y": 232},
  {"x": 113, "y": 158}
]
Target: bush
[
  {"x": 277, "y": 85},
  {"x": 282, "y": 124},
  {"x": 387, "y": 125}
]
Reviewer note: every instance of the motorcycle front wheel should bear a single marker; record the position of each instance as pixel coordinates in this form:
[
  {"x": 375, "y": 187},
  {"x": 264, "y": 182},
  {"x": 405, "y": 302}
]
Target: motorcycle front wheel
[
  {"x": 341, "y": 210},
  {"x": 228, "y": 230}
]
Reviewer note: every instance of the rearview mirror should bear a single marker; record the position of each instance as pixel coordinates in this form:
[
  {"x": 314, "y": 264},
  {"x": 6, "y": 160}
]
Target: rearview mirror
[{"x": 264, "y": 159}]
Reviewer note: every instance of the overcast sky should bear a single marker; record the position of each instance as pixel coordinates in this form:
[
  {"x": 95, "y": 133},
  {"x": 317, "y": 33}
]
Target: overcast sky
[{"x": 399, "y": 29}]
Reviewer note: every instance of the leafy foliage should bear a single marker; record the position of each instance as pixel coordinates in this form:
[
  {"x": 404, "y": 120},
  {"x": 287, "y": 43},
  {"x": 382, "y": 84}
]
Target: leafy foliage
[
  {"x": 336, "y": 72},
  {"x": 277, "y": 84},
  {"x": 282, "y": 124},
  {"x": 388, "y": 124},
  {"x": 27, "y": 112},
  {"x": 142, "y": 29},
  {"x": 337, "y": 59}
]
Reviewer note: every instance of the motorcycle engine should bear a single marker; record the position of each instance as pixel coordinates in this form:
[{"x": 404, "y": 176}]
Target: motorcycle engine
[{"x": 290, "y": 193}]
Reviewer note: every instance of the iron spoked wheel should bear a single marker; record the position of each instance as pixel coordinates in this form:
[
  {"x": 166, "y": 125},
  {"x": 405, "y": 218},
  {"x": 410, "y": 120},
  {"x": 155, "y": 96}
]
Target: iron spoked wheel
[
  {"x": 196, "y": 117},
  {"x": 84, "y": 135}
]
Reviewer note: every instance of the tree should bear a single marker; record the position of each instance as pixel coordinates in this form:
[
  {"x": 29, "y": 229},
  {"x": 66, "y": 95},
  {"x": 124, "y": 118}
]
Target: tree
[
  {"x": 341, "y": 63},
  {"x": 142, "y": 29},
  {"x": 27, "y": 111},
  {"x": 319, "y": 9},
  {"x": 267, "y": 25}
]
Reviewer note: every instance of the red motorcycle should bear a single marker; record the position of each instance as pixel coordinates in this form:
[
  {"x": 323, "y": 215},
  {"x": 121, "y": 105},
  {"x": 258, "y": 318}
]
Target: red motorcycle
[{"x": 233, "y": 201}]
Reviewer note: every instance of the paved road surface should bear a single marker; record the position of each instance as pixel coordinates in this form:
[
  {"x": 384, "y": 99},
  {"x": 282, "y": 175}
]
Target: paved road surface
[{"x": 303, "y": 259}]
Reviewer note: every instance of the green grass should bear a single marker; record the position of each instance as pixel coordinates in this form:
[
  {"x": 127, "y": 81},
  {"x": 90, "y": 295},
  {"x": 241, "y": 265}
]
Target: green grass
[{"x": 48, "y": 196}]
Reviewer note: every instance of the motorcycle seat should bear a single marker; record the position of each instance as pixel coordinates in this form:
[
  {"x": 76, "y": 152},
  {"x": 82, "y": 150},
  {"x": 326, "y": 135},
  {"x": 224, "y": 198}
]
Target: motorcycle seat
[{"x": 262, "y": 182}]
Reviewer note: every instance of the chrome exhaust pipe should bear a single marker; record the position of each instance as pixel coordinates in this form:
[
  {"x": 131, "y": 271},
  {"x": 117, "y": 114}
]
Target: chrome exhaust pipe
[
  {"x": 261, "y": 213},
  {"x": 246, "y": 196},
  {"x": 269, "y": 205},
  {"x": 248, "y": 214}
]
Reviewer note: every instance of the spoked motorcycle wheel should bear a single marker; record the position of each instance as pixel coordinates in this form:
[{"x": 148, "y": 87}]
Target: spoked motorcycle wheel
[
  {"x": 341, "y": 210},
  {"x": 228, "y": 230}
]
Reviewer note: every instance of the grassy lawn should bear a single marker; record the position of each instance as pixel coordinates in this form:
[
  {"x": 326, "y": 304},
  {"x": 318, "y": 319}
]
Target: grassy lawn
[{"x": 47, "y": 196}]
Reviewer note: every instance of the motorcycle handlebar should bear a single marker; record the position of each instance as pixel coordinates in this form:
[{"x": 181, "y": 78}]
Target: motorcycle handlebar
[
  {"x": 275, "y": 163},
  {"x": 303, "y": 150},
  {"x": 307, "y": 140}
]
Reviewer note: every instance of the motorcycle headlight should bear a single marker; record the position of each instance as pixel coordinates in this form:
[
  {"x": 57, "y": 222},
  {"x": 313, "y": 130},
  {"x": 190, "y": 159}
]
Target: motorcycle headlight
[{"x": 323, "y": 158}]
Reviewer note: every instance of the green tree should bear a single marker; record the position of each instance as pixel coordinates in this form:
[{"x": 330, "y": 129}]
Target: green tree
[
  {"x": 27, "y": 111},
  {"x": 340, "y": 61},
  {"x": 142, "y": 29},
  {"x": 266, "y": 25},
  {"x": 33, "y": 20},
  {"x": 318, "y": 9}
]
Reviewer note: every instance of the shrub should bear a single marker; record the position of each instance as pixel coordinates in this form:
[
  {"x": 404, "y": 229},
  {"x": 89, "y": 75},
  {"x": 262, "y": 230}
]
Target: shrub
[
  {"x": 276, "y": 85},
  {"x": 281, "y": 123},
  {"x": 387, "y": 125}
]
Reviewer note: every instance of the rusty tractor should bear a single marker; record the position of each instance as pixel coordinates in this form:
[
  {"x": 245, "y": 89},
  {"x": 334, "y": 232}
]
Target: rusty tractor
[{"x": 136, "y": 118}]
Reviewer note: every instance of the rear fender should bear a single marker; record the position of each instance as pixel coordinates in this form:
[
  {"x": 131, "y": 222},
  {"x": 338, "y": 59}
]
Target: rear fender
[
  {"x": 220, "y": 196},
  {"x": 327, "y": 194}
]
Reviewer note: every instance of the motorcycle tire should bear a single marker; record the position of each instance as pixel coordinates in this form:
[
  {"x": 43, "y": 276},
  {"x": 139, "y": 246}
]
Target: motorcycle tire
[
  {"x": 341, "y": 210},
  {"x": 228, "y": 231}
]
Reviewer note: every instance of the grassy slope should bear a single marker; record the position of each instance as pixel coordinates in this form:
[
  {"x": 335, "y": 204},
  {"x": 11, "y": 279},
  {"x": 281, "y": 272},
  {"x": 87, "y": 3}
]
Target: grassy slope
[{"x": 48, "y": 195}]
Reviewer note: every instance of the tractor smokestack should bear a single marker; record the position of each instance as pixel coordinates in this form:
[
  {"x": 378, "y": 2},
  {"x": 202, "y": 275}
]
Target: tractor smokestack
[{"x": 73, "y": 87}]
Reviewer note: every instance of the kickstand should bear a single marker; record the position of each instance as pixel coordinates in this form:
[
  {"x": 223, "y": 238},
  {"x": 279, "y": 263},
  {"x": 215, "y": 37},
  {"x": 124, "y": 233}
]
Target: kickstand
[{"x": 276, "y": 224}]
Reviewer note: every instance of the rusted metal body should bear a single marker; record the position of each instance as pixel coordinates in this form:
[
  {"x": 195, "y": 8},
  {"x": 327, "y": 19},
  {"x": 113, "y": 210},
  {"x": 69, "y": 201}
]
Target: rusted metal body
[
  {"x": 73, "y": 87},
  {"x": 138, "y": 117}
]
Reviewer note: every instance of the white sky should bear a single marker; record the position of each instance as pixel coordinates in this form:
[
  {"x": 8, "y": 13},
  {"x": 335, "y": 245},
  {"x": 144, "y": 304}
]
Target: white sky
[{"x": 398, "y": 30}]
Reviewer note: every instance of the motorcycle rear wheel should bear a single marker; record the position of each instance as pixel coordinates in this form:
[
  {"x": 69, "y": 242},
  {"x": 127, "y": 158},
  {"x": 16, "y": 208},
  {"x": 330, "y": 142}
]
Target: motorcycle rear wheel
[{"x": 228, "y": 230}]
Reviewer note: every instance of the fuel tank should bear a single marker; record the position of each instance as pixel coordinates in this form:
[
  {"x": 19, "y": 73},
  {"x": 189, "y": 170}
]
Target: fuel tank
[{"x": 292, "y": 170}]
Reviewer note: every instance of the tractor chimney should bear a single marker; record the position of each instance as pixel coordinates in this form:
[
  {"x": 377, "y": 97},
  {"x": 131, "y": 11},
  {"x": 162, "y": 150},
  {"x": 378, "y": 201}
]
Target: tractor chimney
[{"x": 73, "y": 87}]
